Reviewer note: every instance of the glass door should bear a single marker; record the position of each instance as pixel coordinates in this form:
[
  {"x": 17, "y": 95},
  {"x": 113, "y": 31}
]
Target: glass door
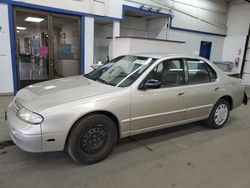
[
  {"x": 47, "y": 46},
  {"x": 65, "y": 46},
  {"x": 32, "y": 42}
]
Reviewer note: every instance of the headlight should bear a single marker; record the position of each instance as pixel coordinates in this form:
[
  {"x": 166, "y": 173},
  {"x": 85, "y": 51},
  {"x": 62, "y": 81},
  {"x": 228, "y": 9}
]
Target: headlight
[{"x": 29, "y": 117}]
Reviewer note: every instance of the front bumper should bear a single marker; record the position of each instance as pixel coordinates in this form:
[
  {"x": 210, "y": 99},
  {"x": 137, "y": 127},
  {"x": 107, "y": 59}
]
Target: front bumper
[{"x": 26, "y": 136}]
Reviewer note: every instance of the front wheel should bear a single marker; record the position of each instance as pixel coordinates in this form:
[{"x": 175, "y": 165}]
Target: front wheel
[
  {"x": 219, "y": 115},
  {"x": 92, "y": 139}
]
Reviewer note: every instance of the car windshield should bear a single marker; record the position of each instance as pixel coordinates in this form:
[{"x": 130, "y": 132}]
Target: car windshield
[{"x": 122, "y": 71}]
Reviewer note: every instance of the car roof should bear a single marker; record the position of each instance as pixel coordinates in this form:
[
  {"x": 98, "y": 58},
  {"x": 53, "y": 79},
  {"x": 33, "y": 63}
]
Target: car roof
[{"x": 163, "y": 55}]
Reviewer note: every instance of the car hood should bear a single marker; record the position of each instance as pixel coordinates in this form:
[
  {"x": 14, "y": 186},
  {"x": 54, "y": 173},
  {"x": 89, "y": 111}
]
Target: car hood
[{"x": 47, "y": 94}]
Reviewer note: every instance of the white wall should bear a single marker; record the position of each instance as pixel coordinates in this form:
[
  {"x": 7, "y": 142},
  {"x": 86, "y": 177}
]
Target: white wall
[
  {"x": 234, "y": 48},
  {"x": 110, "y": 8},
  {"x": 134, "y": 27},
  {"x": 193, "y": 41},
  {"x": 135, "y": 45},
  {"x": 201, "y": 15},
  {"x": 246, "y": 76},
  {"x": 6, "y": 79},
  {"x": 238, "y": 24},
  {"x": 157, "y": 28},
  {"x": 144, "y": 27},
  {"x": 89, "y": 44},
  {"x": 238, "y": 19}
]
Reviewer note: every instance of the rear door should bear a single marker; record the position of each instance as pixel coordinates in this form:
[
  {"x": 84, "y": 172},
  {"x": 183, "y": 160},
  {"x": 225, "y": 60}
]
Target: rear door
[{"x": 201, "y": 89}]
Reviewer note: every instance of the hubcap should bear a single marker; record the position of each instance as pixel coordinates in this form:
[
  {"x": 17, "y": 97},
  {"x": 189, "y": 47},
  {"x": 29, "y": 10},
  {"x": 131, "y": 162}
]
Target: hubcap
[
  {"x": 221, "y": 114},
  {"x": 94, "y": 140}
]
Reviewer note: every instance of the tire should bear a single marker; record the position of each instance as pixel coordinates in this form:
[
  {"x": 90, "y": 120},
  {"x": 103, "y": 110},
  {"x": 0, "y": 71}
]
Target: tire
[
  {"x": 217, "y": 120},
  {"x": 92, "y": 139}
]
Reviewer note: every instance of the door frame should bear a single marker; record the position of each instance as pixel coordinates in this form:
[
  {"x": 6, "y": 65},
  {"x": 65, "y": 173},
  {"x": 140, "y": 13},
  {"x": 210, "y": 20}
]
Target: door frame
[
  {"x": 25, "y": 10},
  {"x": 208, "y": 49},
  {"x": 50, "y": 31},
  {"x": 12, "y": 9}
]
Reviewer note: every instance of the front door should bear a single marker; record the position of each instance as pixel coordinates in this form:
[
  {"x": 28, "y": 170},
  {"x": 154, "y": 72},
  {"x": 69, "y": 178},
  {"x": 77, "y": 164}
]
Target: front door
[
  {"x": 47, "y": 46},
  {"x": 157, "y": 108}
]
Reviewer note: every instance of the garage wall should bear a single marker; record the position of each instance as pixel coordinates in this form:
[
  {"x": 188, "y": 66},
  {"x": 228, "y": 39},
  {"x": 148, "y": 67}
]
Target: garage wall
[
  {"x": 134, "y": 27},
  {"x": 112, "y": 8},
  {"x": 130, "y": 45},
  {"x": 234, "y": 48},
  {"x": 238, "y": 18},
  {"x": 194, "y": 15},
  {"x": 88, "y": 44},
  {"x": 193, "y": 41},
  {"x": 144, "y": 27},
  {"x": 157, "y": 28},
  {"x": 6, "y": 77},
  {"x": 238, "y": 24},
  {"x": 200, "y": 15}
]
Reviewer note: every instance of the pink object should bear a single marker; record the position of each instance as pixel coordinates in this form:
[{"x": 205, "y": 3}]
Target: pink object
[{"x": 43, "y": 52}]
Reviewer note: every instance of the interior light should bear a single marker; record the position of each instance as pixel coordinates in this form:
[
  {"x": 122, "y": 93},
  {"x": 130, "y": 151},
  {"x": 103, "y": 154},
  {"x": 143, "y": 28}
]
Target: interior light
[
  {"x": 34, "y": 19},
  {"x": 18, "y": 31},
  {"x": 21, "y": 28}
]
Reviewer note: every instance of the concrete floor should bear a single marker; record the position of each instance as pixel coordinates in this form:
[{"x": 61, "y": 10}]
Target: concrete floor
[{"x": 187, "y": 156}]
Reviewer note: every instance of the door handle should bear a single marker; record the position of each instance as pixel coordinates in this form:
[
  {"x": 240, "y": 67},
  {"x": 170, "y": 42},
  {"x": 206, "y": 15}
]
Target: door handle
[
  {"x": 181, "y": 93},
  {"x": 217, "y": 88}
]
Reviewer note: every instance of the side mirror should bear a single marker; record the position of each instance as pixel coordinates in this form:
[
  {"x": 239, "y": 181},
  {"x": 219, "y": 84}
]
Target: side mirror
[{"x": 151, "y": 84}]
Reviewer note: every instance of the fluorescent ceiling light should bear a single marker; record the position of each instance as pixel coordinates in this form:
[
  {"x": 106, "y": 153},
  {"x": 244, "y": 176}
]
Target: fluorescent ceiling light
[
  {"x": 17, "y": 31},
  {"x": 34, "y": 19},
  {"x": 21, "y": 28}
]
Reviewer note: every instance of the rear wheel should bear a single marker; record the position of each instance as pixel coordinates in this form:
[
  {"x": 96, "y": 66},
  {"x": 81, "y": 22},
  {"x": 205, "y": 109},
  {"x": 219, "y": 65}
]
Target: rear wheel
[
  {"x": 219, "y": 114},
  {"x": 92, "y": 139}
]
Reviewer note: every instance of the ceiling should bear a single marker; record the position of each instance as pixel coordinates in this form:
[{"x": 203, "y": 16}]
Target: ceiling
[
  {"x": 140, "y": 14},
  {"x": 32, "y": 27}
]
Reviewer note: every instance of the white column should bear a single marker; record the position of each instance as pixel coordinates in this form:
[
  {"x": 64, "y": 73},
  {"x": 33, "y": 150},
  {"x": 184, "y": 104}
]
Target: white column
[
  {"x": 88, "y": 44},
  {"x": 6, "y": 78},
  {"x": 116, "y": 33}
]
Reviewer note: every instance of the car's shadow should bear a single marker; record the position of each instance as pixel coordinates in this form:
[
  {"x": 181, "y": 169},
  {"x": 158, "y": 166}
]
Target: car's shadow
[
  {"x": 124, "y": 145},
  {"x": 154, "y": 137}
]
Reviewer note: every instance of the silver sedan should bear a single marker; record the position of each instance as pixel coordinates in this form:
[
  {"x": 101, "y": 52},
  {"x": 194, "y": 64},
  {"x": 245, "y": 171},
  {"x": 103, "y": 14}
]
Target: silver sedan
[{"x": 132, "y": 94}]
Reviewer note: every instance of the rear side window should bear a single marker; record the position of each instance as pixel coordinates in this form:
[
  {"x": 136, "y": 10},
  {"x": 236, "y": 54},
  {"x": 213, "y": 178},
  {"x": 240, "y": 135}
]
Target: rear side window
[
  {"x": 197, "y": 71},
  {"x": 212, "y": 73}
]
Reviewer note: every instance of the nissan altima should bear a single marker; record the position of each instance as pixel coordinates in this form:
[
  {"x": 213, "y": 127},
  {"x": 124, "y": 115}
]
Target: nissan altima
[{"x": 132, "y": 94}]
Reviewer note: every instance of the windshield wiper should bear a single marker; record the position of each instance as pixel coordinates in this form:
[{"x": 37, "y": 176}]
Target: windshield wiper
[
  {"x": 103, "y": 81},
  {"x": 87, "y": 76}
]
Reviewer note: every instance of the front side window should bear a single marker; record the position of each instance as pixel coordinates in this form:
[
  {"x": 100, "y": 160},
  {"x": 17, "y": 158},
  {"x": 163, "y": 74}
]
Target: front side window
[
  {"x": 197, "y": 71},
  {"x": 169, "y": 73},
  {"x": 122, "y": 71}
]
